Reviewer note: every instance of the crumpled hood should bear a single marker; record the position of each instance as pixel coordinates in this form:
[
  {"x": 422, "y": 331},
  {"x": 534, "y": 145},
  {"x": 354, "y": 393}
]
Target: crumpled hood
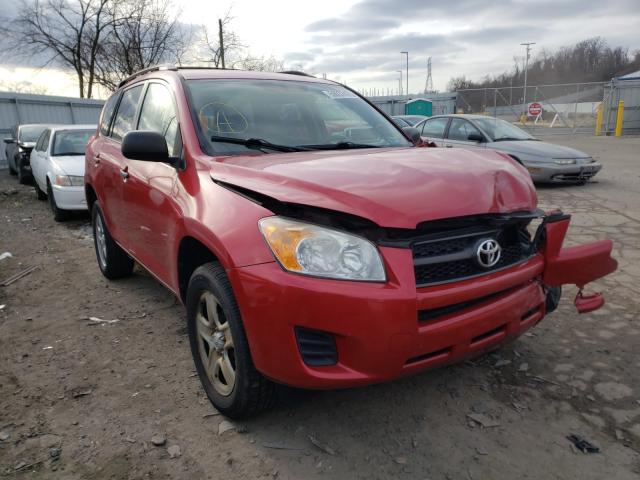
[
  {"x": 537, "y": 148},
  {"x": 70, "y": 164},
  {"x": 393, "y": 187}
]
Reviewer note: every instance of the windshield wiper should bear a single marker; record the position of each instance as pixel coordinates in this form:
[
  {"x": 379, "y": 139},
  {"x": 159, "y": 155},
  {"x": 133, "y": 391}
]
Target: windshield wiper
[
  {"x": 257, "y": 143},
  {"x": 338, "y": 146}
]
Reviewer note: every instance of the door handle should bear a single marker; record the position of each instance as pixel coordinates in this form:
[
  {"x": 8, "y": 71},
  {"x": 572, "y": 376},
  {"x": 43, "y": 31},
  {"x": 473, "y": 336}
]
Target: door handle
[
  {"x": 96, "y": 158},
  {"x": 449, "y": 146},
  {"x": 124, "y": 173}
]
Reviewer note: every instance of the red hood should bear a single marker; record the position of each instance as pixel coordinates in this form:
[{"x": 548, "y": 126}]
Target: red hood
[{"x": 393, "y": 187}]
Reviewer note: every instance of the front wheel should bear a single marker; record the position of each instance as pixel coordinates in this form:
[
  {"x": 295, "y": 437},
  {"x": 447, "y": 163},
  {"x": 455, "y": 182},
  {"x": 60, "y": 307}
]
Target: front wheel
[
  {"x": 59, "y": 215},
  {"x": 112, "y": 259},
  {"x": 23, "y": 177},
  {"x": 39, "y": 193},
  {"x": 219, "y": 346}
]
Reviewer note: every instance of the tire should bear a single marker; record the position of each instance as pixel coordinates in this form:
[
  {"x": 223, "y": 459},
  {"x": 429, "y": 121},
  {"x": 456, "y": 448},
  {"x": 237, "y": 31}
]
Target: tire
[
  {"x": 113, "y": 261},
  {"x": 23, "y": 178},
  {"x": 553, "y": 298},
  {"x": 59, "y": 215},
  {"x": 249, "y": 392},
  {"x": 39, "y": 193},
  {"x": 12, "y": 170}
]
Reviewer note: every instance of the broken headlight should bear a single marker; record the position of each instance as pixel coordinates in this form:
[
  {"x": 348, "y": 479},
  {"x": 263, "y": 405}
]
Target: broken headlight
[{"x": 322, "y": 252}]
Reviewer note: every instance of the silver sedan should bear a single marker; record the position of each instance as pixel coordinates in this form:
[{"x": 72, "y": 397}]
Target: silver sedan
[{"x": 546, "y": 162}]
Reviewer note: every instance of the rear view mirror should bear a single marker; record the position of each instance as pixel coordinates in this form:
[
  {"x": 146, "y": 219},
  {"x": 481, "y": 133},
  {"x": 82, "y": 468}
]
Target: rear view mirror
[
  {"x": 145, "y": 145},
  {"x": 413, "y": 134},
  {"x": 9, "y": 140},
  {"x": 475, "y": 137}
]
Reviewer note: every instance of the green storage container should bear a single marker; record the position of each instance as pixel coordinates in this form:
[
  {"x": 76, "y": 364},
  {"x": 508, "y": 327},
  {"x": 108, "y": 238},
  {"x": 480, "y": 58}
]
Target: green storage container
[{"x": 419, "y": 106}]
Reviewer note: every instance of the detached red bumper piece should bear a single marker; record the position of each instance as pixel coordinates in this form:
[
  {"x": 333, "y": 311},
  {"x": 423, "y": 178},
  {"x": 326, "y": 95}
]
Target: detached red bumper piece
[
  {"x": 577, "y": 265},
  {"x": 328, "y": 333}
]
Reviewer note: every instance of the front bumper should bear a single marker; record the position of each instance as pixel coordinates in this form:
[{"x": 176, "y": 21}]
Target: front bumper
[
  {"x": 70, "y": 198},
  {"x": 553, "y": 173},
  {"x": 381, "y": 331}
]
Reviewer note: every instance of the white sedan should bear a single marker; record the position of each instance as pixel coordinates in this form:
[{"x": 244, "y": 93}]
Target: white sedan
[{"x": 57, "y": 165}]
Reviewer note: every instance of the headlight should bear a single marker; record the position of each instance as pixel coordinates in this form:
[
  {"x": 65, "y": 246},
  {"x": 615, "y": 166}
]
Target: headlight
[
  {"x": 69, "y": 181},
  {"x": 564, "y": 161},
  {"x": 321, "y": 252}
]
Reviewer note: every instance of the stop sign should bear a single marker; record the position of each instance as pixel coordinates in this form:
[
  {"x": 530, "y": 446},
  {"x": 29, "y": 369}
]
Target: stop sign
[{"x": 535, "y": 109}]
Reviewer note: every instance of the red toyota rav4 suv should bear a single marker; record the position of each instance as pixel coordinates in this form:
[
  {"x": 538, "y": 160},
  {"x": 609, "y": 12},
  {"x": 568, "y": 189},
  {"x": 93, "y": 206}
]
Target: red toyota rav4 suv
[{"x": 312, "y": 243}]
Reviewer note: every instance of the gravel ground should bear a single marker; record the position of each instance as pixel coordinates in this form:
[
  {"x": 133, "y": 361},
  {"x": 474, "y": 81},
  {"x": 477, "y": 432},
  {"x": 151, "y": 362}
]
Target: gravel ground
[{"x": 84, "y": 399}]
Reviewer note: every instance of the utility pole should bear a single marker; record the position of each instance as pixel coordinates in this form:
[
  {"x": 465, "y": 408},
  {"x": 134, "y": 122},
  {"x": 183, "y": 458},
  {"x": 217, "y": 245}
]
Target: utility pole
[
  {"x": 407, "y": 76},
  {"x": 526, "y": 67},
  {"x": 221, "y": 40},
  {"x": 399, "y": 82}
]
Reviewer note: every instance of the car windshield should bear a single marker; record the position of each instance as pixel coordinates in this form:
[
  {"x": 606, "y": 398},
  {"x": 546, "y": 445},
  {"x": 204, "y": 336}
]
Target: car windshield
[
  {"x": 500, "y": 130},
  {"x": 288, "y": 115},
  {"x": 71, "y": 142},
  {"x": 30, "y": 133}
]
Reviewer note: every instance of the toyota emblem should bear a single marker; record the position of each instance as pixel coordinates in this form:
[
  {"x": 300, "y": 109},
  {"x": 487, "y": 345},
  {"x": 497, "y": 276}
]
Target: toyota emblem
[{"x": 488, "y": 253}]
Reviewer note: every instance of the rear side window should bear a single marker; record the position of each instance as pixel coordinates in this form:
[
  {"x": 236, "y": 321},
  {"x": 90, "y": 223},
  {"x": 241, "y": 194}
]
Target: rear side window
[
  {"x": 43, "y": 141},
  {"x": 159, "y": 115},
  {"x": 123, "y": 122},
  {"x": 107, "y": 114},
  {"x": 435, "y": 127}
]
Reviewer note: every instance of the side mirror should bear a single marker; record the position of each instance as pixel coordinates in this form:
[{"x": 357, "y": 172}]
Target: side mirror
[
  {"x": 475, "y": 137},
  {"x": 9, "y": 140},
  {"x": 412, "y": 134},
  {"x": 145, "y": 145}
]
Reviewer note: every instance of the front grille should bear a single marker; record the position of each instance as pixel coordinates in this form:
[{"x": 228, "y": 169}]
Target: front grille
[{"x": 450, "y": 257}]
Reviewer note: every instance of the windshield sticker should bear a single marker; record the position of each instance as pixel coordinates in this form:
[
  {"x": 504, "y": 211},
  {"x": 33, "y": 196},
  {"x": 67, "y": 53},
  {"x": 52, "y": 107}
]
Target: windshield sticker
[{"x": 339, "y": 93}]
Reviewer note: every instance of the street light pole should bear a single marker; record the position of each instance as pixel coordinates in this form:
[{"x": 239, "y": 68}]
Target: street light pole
[
  {"x": 400, "y": 82},
  {"x": 526, "y": 67},
  {"x": 407, "y": 76}
]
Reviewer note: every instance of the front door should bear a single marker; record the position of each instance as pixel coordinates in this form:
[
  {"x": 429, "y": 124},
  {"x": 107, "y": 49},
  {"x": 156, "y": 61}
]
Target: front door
[{"x": 462, "y": 134}]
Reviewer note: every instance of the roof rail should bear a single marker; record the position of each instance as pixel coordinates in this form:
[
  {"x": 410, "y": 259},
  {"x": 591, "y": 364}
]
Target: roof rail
[
  {"x": 297, "y": 72},
  {"x": 155, "y": 68}
]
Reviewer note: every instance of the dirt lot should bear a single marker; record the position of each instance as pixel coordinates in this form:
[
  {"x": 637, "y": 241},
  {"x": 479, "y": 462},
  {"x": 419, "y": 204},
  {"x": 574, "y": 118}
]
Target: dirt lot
[{"x": 81, "y": 399}]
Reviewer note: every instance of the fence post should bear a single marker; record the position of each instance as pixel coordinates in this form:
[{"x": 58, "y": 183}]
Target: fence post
[
  {"x": 620, "y": 118},
  {"x": 599, "y": 112},
  {"x": 495, "y": 101}
]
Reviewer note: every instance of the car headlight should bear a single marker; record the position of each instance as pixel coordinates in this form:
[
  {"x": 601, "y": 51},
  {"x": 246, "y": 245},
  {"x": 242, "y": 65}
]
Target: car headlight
[
  {"x": 564, "y": 161},
  {"x": 322, "y": 252},
  {"x": 69, "y": 181}
]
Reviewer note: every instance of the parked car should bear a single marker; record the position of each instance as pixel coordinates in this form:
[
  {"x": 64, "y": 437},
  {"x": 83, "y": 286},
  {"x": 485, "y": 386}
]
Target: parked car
[
  {"x": 410, "y": 120},
  {"x": 57, "y": 164},
  {"x": 18, "y": 148},
  {"x": 315, "y": 257},
  {"x": 546, "y": 162}
]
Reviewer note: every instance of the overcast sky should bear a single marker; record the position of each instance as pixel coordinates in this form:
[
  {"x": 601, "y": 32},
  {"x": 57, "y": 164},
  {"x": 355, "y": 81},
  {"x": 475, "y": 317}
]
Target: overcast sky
[{"x": 359, "y": 42}]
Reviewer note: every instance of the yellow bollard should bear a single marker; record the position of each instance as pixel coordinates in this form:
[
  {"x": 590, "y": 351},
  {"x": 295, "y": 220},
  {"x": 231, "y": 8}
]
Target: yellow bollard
[
  {"x": 599, "y": 113},
  {"x": 619, "y": 118}
]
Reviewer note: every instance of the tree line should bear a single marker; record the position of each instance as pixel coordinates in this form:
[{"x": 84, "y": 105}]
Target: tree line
[
  {"x": 105, "y": 41},
  {"x": 591, "y": 60}
]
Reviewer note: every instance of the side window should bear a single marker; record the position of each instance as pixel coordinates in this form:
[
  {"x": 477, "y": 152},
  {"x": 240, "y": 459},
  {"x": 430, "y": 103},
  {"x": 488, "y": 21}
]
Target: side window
[
  {"x": 460, "y": 130},
  {"x": 159, "y": 115},
  {"x": 107, "y": 114},
  {"x": 38, "y": 147},
  {"x": 43, "y": 141},
  {"x": 123, "y": 122},
  {"x": 435, "y": 127}
]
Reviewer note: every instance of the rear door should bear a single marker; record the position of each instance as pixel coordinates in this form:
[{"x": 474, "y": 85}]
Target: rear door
[
  {"x": 38, "y": 161},
  {"x": 458, "y": 134},
  {"x": 149, "y": 192},
  {"x": 433, "y": 130}
]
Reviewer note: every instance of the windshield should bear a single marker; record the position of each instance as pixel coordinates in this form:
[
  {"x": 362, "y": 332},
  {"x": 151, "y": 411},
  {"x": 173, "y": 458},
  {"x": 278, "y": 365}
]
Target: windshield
[
  {"x": 71, "y": 142},
  {"x": 501, "y": 130},
  {"x": 287, "y": 114},
  {"x": 31, "y": 133}
]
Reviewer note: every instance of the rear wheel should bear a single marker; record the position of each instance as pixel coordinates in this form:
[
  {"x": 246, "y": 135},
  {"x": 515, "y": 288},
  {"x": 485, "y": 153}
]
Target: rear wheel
[
  {"x": 23, "y": 177},
  {"x": 553, "y": 298},
  {"x": 59, "y": 215},
  {"x": 219, "y": 346},
  {"x": 112, "y": 260},
  {"x": 12, "y": 169}
]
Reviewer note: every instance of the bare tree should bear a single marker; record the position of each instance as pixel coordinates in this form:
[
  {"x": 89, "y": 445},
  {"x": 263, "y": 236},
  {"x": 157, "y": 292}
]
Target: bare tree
[
  {"x": 260, "y": 64},
  {"x": 68, "y": 32},
  {"x": 141, "y": 34},
  {"x": 220, "y": 43}
]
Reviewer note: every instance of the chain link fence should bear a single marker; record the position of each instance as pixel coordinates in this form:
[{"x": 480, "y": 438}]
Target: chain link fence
[{"x": 541, "y": 109}]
